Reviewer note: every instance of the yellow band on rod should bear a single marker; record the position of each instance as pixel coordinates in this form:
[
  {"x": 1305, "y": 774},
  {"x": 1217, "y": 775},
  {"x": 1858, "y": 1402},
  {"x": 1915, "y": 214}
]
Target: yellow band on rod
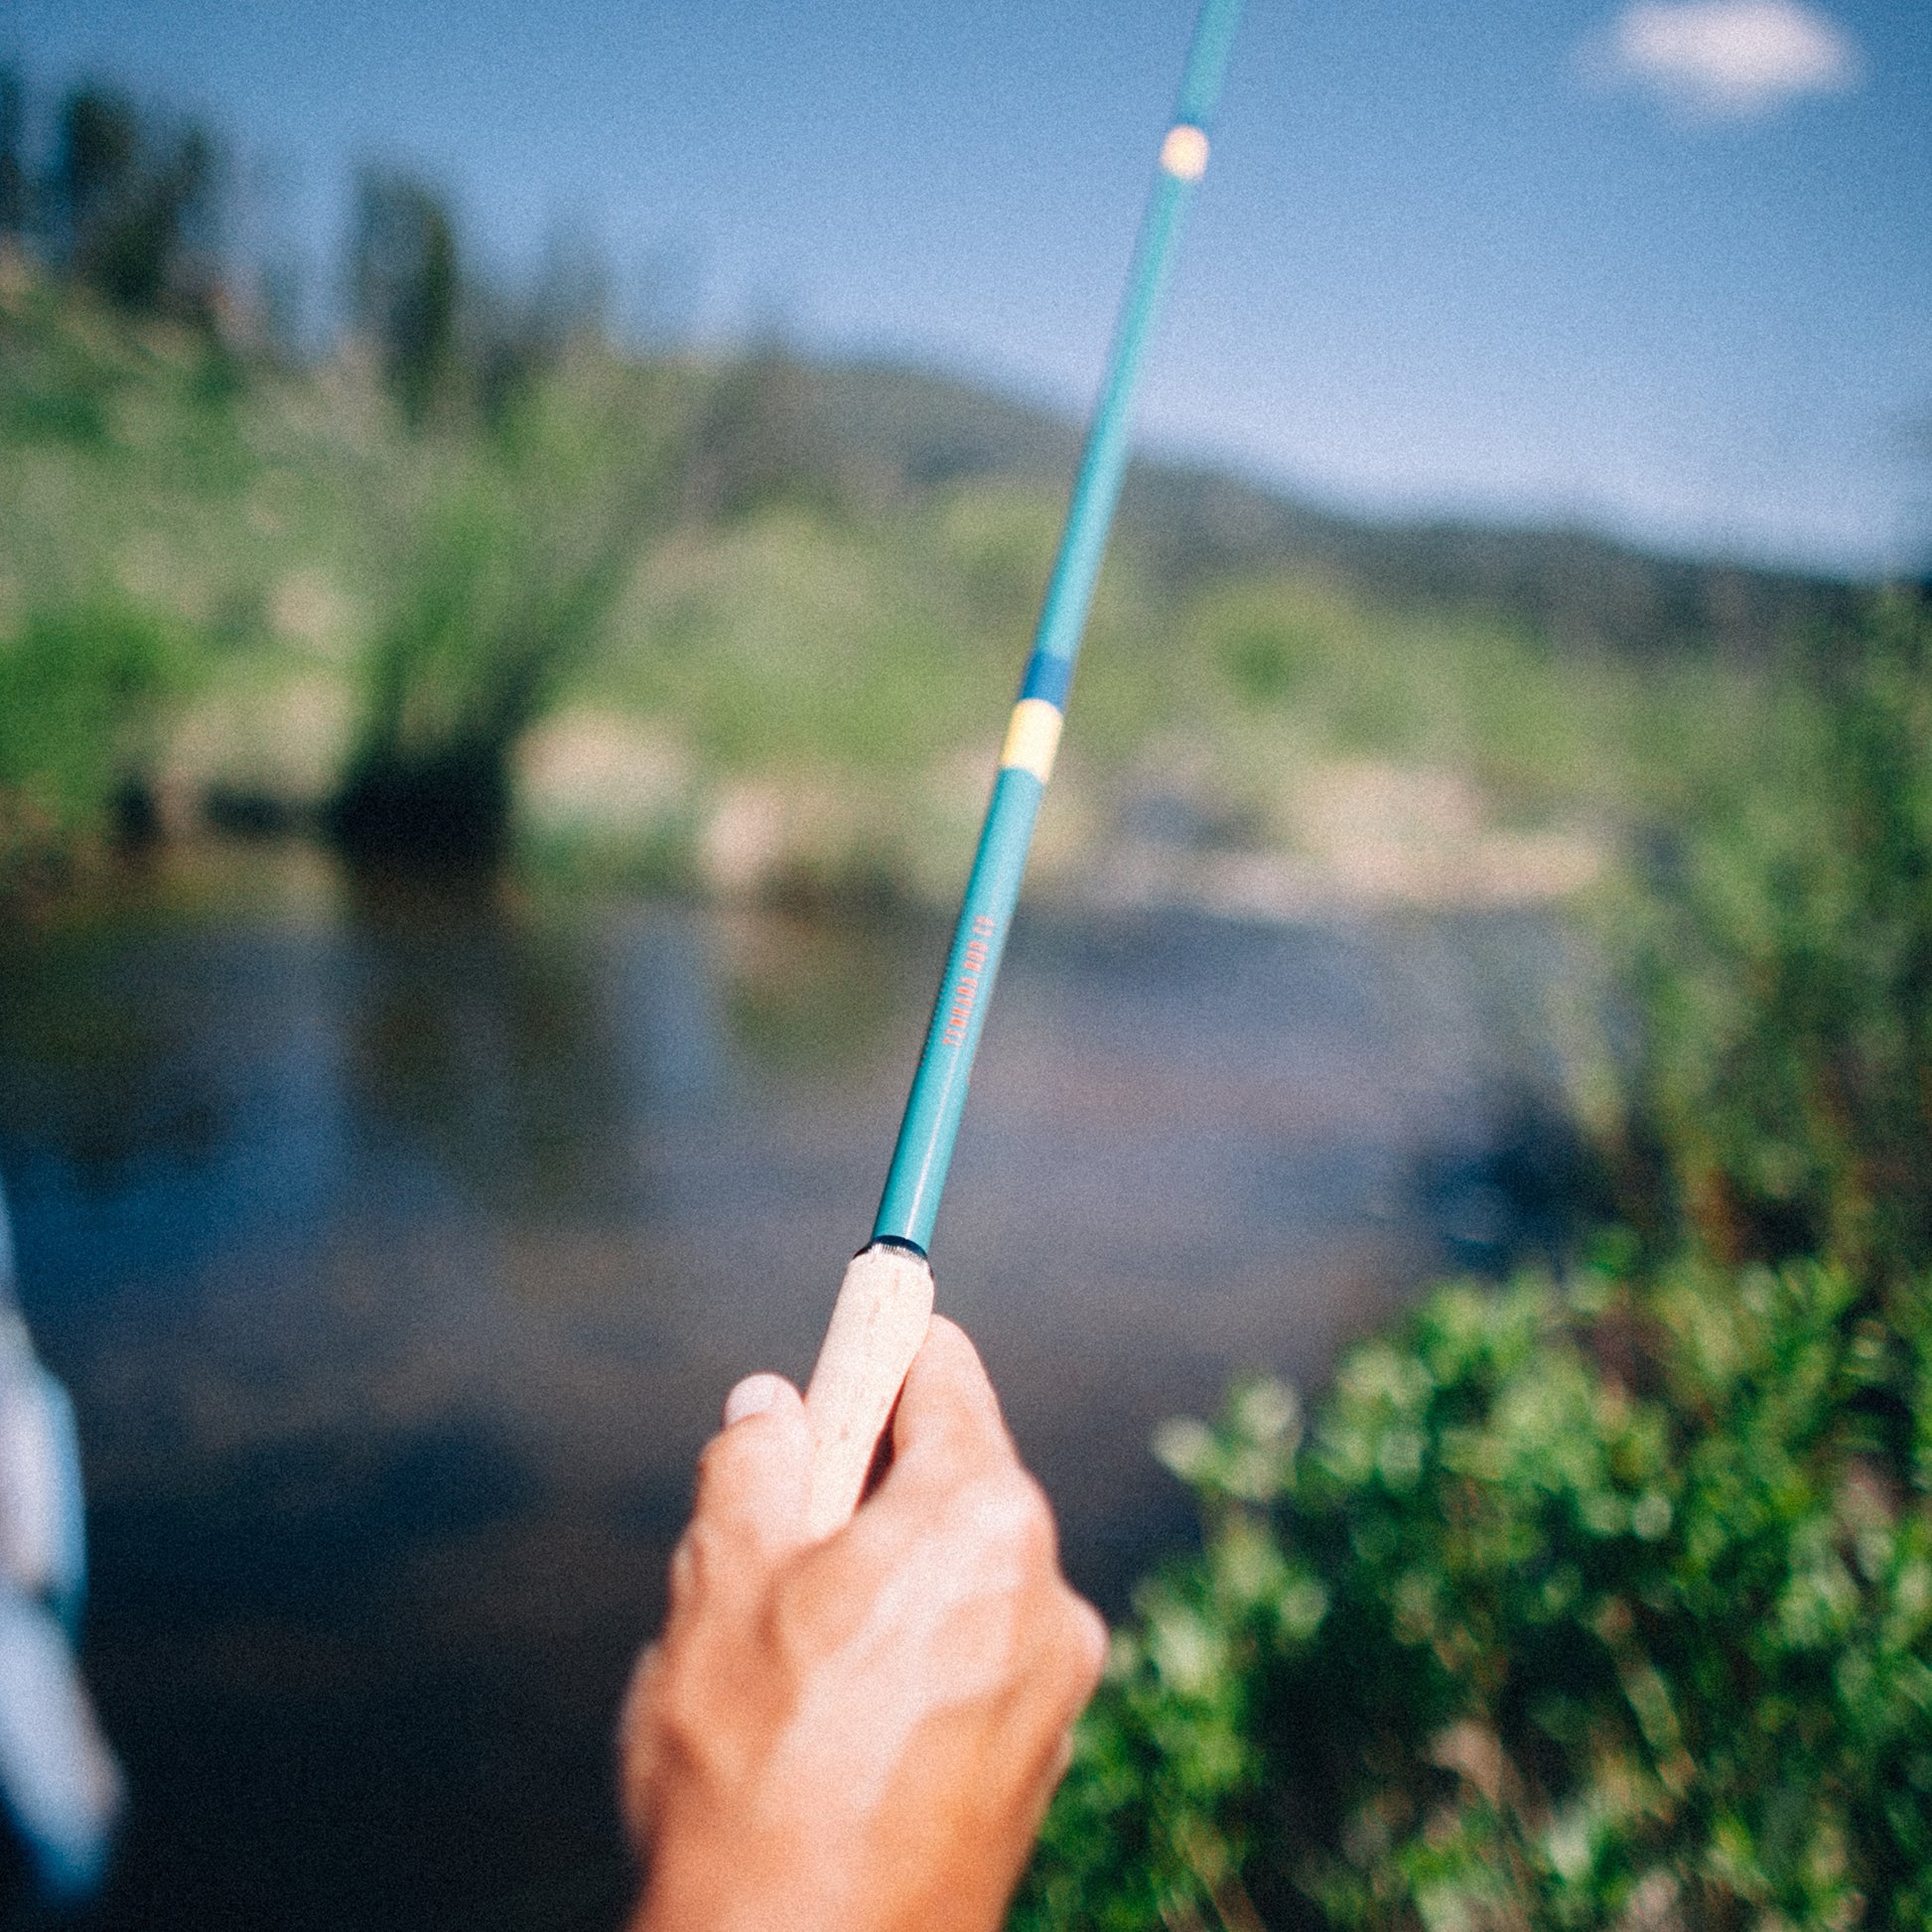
[{"x": 1033, "y": 738}]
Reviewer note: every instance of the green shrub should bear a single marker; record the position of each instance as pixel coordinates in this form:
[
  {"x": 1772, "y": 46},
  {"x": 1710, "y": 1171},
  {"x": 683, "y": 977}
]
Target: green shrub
[
  {"x": 523, "y": 542},
  {"x": 81, "y": 690},
  {"x": 1582, "y": 1606}
]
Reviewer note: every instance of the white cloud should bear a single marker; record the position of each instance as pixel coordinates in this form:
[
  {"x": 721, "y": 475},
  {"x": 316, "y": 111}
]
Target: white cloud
[{"x": 1726, "y": 59}]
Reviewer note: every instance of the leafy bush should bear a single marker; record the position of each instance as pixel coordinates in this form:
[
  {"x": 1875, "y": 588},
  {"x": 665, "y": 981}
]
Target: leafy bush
[{"x": 1580, "y": 1605}]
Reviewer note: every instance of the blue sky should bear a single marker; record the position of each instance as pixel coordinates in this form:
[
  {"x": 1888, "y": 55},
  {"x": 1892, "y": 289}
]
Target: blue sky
[{"x": 1663, "y": 267}]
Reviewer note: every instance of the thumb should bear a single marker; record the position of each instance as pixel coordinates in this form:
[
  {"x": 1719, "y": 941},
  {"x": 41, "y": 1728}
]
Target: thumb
[{"x": 755, "y": 1473}]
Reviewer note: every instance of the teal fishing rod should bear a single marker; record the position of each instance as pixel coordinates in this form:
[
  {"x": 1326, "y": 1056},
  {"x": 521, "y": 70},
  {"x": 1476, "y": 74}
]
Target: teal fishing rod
[{"x": 887, "y": 1296}]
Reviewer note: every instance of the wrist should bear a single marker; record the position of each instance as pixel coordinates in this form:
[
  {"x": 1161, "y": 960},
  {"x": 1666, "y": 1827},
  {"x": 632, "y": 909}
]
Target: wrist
[{"x": 690, "y": 1888}]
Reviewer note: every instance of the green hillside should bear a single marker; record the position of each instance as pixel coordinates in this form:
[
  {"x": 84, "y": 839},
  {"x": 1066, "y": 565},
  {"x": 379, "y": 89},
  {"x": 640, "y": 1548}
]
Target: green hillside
[{"x": 1190, "y": 522}]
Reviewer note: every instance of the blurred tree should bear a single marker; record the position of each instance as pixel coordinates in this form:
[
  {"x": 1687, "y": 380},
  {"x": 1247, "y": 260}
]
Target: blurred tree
[
  {"x": 13, "y": 162},
  {"x": 405, "y": 288},
  {"x": 99, "y": 143},
  {"x": 135, "y": 209},
  {"x": 518, "y": 339}
]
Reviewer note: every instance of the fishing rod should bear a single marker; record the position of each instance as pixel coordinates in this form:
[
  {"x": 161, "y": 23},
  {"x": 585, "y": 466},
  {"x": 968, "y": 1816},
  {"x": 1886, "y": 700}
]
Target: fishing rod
[{"x": 885, "y": 1299}]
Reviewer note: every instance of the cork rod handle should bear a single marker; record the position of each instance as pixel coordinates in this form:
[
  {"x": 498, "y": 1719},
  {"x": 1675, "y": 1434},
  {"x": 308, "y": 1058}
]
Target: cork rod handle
[{"x": 878, "y": 1323}]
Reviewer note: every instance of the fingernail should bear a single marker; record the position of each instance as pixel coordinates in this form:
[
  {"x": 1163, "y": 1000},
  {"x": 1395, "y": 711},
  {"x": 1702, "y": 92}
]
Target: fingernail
[{"x": 752, "y": 1397}]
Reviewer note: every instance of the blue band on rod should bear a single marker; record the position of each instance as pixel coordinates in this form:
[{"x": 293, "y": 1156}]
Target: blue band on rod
[{"x": 1048, "y": 677}]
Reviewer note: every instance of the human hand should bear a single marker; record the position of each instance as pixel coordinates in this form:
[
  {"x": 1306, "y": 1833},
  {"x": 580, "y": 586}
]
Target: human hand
[{"x": 860, "y": 1734}]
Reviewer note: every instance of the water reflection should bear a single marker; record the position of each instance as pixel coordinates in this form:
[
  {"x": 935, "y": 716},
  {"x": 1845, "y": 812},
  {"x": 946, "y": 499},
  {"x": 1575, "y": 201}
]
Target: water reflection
[
  {"x": 492, "y": 1050},
  {"x": 398, "y": 1251}
]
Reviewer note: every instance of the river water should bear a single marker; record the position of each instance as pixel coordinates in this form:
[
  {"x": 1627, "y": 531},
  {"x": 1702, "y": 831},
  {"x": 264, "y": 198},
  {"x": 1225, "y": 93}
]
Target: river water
[{"x": 398, "y": 1249}]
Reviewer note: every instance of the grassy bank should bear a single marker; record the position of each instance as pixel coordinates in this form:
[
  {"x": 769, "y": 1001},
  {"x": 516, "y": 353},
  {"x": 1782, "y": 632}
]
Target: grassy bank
[{"x": 657, "y": 612}]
